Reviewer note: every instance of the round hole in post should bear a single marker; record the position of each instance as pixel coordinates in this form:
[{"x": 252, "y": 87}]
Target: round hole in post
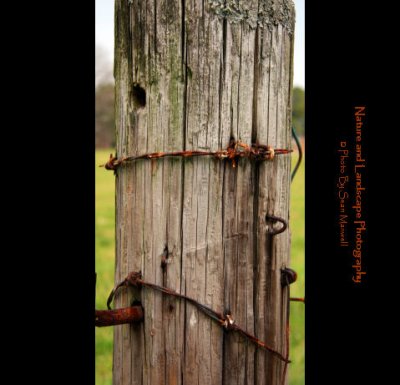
[{"x": 138, "y": 95}]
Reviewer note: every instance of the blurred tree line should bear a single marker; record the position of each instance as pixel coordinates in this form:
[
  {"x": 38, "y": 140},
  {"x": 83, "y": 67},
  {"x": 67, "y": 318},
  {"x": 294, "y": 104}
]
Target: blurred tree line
[
  {"x": 105, "y": 126},
  {"x": 104, "y": 116}
]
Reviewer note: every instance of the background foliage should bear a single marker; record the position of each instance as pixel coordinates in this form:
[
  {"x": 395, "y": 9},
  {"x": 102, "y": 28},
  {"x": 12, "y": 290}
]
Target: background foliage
[{"x": 298, "y": 110}]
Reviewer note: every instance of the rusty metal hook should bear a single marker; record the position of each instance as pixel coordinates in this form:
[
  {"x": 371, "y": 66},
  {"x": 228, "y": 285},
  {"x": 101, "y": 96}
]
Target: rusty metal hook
[{"x": 273, "y": 218}]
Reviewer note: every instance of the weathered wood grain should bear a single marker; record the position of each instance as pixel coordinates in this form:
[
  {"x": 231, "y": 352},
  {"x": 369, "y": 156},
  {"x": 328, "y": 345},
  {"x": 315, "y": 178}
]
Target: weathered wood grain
[
  {"x": 207, "y": 78},
  {"x": 202, "y": 268},
  {"x": 238, "y": 366}
]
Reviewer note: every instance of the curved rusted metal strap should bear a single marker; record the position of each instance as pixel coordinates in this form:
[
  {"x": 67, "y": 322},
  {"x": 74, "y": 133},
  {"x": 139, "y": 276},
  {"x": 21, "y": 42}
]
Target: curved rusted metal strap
[
  {"x": 125, "y": 282},
  {"x": 299, "y": 159}
]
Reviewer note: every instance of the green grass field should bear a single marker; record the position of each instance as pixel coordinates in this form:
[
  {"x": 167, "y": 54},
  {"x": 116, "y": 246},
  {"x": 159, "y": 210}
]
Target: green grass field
[{"x": 105, "y": 270}]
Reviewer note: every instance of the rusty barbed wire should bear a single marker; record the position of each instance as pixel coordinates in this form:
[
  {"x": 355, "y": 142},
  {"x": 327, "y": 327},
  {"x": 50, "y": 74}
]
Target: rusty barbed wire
[
  {"x": 225, "y": 320},
  {"x": 233, "y": 152}
]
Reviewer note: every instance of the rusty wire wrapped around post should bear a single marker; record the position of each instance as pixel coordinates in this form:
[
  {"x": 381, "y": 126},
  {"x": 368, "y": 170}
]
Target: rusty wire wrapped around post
[
  {"x": 225, "y": 320},
  {"x": 234, "y": 152}
]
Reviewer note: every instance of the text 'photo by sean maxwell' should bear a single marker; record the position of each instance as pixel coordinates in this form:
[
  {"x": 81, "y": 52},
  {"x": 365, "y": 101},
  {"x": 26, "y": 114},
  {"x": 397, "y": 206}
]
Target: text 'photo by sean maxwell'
[
  {"x": 352, "y": 161},
  {"x": 200, "y": 206}
]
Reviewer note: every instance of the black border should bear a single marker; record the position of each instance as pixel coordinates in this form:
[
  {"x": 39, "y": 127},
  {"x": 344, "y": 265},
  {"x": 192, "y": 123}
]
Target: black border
[
  {"x": 349, "y": 60},
  {"x": 56, "y": 194},
  {"x": 347, "y": 64}
]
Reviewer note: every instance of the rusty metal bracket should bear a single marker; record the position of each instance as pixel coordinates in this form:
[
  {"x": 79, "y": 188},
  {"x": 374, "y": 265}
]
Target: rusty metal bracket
[
  {"x": 296, "y": 299},
  {"x": 122, "y": 316}
]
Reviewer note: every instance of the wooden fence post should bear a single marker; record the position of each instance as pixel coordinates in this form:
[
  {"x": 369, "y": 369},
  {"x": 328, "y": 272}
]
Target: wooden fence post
[{"x": 191, "y": 74}]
